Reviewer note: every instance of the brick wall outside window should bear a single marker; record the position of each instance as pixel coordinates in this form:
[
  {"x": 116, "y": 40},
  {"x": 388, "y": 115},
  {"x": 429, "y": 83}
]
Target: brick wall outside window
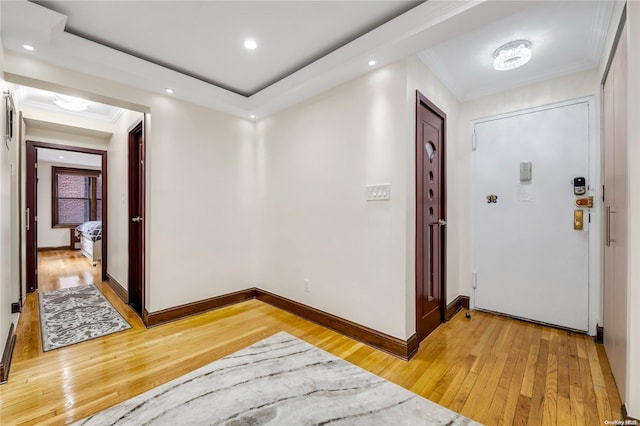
[
  {"x": 73, "y": 199},
  {"x": 77, "y": 196}
]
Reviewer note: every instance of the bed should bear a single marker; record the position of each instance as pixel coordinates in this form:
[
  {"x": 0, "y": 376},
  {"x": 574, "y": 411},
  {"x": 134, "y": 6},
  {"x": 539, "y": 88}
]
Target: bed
[{"x": 91, "y": 240}]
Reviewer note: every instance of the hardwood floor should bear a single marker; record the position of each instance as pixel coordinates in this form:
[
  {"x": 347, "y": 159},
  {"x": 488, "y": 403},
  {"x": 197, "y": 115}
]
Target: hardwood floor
[{"x": 492, "y": 369}]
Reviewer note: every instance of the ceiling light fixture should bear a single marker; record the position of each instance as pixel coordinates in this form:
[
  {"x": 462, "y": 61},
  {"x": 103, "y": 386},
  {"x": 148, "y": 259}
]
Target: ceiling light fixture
[
  {"x": 60, "y": 156},
  {"x": 168, "y": 90},
  {"x": 71, "y": 103},
  {"x": 28, "y": 47},
  {"x": 252, "y": 116},
  {"x": 250, "y": 44},
  {"x": 512, "y": 55},
  {"x": 372, "y": 63}
]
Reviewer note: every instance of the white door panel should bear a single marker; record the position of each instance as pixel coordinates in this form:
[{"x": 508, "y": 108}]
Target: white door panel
[{"x": 529, "y": 260}]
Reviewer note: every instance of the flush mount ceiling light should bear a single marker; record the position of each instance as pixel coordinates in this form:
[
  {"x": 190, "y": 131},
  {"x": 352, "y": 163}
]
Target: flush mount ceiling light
[
  {"x": 71, "y": 103},
  {"x": 250, "y": 44},
  {"x": 372, "y": 63},
  {"x": 512, "y": 55},
  {"x": 28, "y": 47},
  {"x": 168, "y": 90}
]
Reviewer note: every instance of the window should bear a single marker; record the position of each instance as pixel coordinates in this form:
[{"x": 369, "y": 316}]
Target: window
[{"x": 76, "y": 196}]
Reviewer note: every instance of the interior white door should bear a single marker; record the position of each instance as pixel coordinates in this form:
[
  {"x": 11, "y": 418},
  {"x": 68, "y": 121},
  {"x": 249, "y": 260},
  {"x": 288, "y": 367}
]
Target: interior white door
[{"x": 528, "y": 260}]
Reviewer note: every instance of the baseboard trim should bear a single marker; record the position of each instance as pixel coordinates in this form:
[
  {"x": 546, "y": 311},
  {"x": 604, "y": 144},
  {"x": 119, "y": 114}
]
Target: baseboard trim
[
  {"x": 599, "y": 334},
  {"x": 457, "y": 304},
  {"x": 398, "y": 347},
  {"x": 626, "y": 416},
  {"x": 7, "y": 355},
  {"x": 172, "y": 314},
  {"x": 404, "y": 349},
  {"x": 54, "y": 248},
  {"x": 117, "y": 288},
  {"x": 145, "y": 317}
]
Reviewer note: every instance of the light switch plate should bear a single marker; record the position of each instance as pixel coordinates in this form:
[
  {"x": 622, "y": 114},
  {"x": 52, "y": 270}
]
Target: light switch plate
[{"x": 378, "y": 192}]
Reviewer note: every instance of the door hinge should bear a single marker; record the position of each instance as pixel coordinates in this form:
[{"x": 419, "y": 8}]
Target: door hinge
[
  {"x": 589, "y": 218},
  {"x": 474, "y": 140},
  {"x": 603, "y": 193},
  {"x": 474, "y": 280},
  {"x": 36, "y": 165}
]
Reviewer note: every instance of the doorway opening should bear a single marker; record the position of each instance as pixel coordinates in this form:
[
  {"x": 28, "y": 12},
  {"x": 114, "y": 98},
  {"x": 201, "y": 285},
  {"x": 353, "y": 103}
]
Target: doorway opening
[{"x": 78, "y": 195}]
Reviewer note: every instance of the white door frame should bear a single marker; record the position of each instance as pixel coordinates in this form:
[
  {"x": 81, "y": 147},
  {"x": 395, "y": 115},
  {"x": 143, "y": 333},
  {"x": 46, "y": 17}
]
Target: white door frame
[{"x": 595, "y": 171}]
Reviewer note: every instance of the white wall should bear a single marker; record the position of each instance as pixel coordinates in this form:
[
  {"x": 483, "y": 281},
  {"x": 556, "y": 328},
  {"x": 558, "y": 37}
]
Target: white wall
[
  {"x": 313, "y": 163},
  {"x": 633, "y": 294},
  {"x": 65, "y": 138},
  {"x": 47, "y": 235},
  {"x": 200, "y": 205},
  {"x": 118, "y": 207},
  {"x": 9, "y": 190}
]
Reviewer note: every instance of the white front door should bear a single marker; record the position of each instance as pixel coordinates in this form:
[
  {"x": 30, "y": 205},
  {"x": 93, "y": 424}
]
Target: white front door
[{"x": 528, "y": 260}]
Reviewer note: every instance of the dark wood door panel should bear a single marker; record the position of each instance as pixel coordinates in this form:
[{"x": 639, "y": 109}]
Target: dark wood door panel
[
  {"x": 136, "y": 218},
  {"x": 430, "y": 208}
]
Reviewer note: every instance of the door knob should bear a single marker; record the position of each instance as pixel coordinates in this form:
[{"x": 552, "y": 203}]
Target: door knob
[
  {"x": 442, "y": 222},
  {"x": 136, "y": 219}
]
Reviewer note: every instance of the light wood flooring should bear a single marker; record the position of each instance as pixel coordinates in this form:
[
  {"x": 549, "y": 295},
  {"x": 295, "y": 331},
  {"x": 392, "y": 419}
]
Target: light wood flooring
[{"x": 492, "y": 369}]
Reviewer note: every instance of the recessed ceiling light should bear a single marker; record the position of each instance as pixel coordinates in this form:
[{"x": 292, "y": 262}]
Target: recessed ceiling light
[
  {"x": 71, "y": 103},
  {"x": 512, "y": 55},
  {"x": 29, "y": 47},
  {"x": 60, "y": 156},
  {"x": 168, "y": 90},
  {"x": 372, "y": 63},
  {"x": 252, "y": 116},
  {"x": 250, "y": 44}
]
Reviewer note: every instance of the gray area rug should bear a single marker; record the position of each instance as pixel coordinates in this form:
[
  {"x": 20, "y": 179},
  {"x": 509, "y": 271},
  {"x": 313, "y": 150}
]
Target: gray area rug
[
  {"x": 278, "y": 381},
  {"x": 76, "y": 314}
]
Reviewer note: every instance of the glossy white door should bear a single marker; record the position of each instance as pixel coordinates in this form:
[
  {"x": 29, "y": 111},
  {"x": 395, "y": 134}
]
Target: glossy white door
[{"x": 528, "y": 259}]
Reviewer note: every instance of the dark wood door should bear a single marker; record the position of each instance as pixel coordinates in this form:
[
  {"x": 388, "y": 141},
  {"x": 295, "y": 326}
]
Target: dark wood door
[
  {"x": 30, "y": 218},
  {"x": 136, "y": 218},
  {"x": 430, "y": 217}
]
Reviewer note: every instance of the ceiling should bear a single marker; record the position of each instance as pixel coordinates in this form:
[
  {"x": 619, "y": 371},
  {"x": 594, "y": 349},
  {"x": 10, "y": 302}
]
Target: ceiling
[
  {"x": 304, "y": 47},
  {"x": 43, "y": 100},
  {"x": 204, "y": 39},
  {"x": 565, "y": 36}
]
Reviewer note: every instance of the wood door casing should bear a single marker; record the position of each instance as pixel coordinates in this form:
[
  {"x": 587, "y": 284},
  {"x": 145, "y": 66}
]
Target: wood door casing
[
  {"x": 430, "y": 211},
  {"x": 136, "y": 210}
]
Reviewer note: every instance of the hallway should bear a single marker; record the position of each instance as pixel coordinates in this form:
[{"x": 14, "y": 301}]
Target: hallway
[{"x": 493, "y": 369}]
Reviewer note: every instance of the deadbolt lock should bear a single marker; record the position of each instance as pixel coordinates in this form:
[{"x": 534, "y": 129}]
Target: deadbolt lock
[{"x": 578, "y": 219}]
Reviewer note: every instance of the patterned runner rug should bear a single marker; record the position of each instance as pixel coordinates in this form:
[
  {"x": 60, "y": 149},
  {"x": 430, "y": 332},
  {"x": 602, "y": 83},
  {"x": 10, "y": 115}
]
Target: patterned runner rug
[
  {"x": 278, "y": 381},
  {"x": 76, "y": 314}
]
